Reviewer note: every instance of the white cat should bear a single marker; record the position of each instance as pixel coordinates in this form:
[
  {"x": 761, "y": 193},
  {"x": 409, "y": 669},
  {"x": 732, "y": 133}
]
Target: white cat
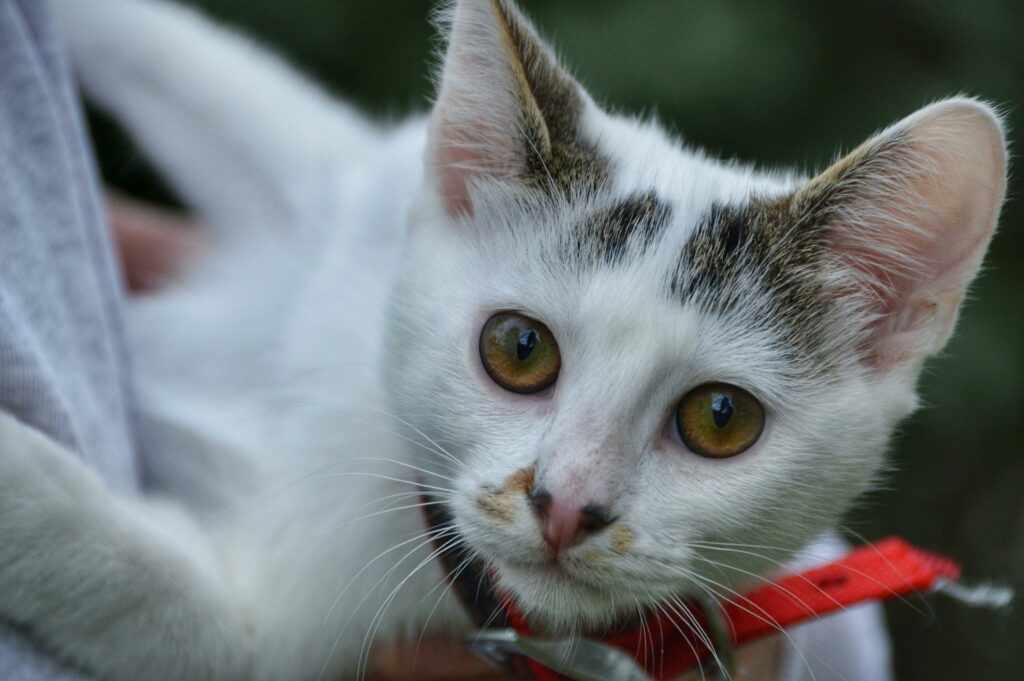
[{"x": 629, "y": 371}]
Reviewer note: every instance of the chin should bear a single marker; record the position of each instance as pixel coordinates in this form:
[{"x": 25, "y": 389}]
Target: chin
[{"x": 559, "y": 600}]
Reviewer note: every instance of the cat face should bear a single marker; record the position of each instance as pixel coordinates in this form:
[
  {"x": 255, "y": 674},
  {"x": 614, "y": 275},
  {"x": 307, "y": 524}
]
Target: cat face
[{"x": 656, "y": 374}]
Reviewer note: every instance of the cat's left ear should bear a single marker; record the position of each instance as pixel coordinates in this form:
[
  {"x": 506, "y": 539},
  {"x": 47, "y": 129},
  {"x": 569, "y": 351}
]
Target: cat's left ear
[
  {"x": 505, "y": 110},
  {"x": 911, "y": 213}
]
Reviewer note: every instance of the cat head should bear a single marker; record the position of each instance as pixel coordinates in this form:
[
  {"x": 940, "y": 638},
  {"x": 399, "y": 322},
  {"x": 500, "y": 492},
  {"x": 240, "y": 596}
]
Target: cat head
[{"x": 654, "y": 373}]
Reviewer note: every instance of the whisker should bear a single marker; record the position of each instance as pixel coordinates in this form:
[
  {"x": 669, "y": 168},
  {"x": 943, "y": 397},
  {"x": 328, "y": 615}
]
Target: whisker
[
  {"x": 405, "y": 465},
  {"x": 448, "y": 582},
  {"x": 440, "y": 450},
  {"x": 703, "y": 582},
  {"x": 643, "y": 643},
  {"x": 917, "y": 595},
  {"x": 435, "y": 448},
  {"x": 421, "y": 504},
  {"x": 378, "y": 617},
  {"x": 386, "y": 477},
  {"x": 429, "y": 535},
  {"x": 713, "y": 589},
  {"x": 375, "y": 426},
  {"x": 424, "y": 538},
  {"x": 782, "y": 565},
  {"x": 770, "y": 582},
  {"x": 661, "y": 608},
  {"x": 684, "y": 611}
]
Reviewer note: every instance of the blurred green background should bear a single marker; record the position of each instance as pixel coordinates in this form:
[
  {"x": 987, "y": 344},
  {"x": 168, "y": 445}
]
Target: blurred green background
[{"x": 783, "y": 84}]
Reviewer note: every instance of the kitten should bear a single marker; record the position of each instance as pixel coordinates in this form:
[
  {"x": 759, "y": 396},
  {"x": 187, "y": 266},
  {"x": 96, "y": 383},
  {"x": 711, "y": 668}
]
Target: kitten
[{"x": 630, "y": 372}]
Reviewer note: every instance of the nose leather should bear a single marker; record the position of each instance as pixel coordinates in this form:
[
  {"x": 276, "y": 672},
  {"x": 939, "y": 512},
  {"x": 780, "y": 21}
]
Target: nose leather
[
  {"x": 563, "y": 529},
  {"x": 563, "y": 525}
]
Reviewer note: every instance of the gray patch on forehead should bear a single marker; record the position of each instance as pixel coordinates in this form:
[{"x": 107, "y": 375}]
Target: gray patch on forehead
[
  {"x": 635, "y": 222},
  {"x": 765, "y": 264}
]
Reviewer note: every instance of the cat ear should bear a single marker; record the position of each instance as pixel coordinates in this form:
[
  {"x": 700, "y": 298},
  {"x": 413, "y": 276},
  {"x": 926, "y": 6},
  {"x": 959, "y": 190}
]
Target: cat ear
[
  {"x": 911, "y": 212},
  {"x": 505, "y": 109}
]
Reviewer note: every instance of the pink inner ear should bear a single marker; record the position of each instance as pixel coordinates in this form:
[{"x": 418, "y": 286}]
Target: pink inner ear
[
  {"x": 487, "y": 103},
  {"x": 469, "y": 150},
  {"x": 920, "y": 304},
  {"x": 452, "y": 164},
  {"x": 917, "y": 230}
]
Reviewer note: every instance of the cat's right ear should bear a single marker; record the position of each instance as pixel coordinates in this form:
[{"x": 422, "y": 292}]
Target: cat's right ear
[
  {"x": 505, "y": 110},
  {"x": 911, "y": 213}
]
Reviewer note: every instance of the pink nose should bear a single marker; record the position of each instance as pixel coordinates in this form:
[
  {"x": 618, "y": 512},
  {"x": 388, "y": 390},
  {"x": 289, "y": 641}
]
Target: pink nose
[{"x": 564, "y": 526}]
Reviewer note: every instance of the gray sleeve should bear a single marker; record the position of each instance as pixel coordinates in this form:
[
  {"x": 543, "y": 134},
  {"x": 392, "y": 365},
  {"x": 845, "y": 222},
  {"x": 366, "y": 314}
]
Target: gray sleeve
[
  {"x": 21, "y": 661},
  {"x": 62, "y": 363}
]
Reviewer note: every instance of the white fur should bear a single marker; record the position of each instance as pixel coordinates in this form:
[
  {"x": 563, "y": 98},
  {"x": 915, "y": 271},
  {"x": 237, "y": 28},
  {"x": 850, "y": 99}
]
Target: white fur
[{"x": 321, "y": 363}]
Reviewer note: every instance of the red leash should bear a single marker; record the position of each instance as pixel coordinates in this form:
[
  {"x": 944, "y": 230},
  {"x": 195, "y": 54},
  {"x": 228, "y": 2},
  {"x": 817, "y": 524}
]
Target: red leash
[{"x": 889, "y": 569}]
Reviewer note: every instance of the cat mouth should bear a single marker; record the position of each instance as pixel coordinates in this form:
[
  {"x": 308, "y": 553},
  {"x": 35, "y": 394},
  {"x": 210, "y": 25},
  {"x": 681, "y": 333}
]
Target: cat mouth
[{"x": 553, "y": 571}]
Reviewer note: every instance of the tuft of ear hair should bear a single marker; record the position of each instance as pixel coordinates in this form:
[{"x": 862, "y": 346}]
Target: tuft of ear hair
[
  {"x": 505, "y": 109},
  {"x": 911, "y": 212}
]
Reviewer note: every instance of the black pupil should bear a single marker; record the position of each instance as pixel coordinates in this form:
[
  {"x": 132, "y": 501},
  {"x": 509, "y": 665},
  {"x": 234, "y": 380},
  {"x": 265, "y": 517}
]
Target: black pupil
[
  {"x": 528, "y": 340},
  {"x": 722, "y": 410}
]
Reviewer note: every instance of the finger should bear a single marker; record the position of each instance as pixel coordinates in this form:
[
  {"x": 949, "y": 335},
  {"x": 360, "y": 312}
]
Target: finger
[
  {"x": 154, "y": 244},
  {"x": 431, "y": 659}
]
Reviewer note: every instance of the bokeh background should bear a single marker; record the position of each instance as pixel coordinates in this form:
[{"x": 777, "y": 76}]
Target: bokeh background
[{"x": 783, "y": 84}]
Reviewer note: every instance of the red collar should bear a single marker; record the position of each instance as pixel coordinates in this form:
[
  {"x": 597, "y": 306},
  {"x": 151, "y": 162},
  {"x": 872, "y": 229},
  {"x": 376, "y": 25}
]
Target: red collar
[{"x": 890, "y": 568}]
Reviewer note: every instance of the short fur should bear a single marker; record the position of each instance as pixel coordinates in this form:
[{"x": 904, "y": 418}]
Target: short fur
[{"x": 317, "y": 372}]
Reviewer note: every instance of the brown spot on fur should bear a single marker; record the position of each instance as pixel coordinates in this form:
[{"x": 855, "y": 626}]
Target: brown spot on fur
[
  {"x": 497, "y": 507},
  {"x": 623, "y": 538},
  {"x": 521, "y": 481},
  {"x": 502, "y": 504}
]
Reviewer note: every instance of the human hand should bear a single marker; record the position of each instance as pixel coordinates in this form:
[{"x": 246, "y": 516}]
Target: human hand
[{"x": 431, "y": 659}]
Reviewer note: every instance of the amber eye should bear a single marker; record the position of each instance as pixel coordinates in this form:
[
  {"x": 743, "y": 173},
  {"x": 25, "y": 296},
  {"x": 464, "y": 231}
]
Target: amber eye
[
  {"x": 718, "y": 420},
  {"x": 519, "y": 353}
]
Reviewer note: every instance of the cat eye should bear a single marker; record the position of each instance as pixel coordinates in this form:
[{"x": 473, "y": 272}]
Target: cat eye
[
  {"x": 519, "y": 353},
  {"x": 718, "y": 420}
]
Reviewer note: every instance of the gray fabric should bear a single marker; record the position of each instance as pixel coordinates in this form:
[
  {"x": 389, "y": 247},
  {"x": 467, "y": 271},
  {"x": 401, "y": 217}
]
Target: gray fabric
[{"x": 62, "y": 364}]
